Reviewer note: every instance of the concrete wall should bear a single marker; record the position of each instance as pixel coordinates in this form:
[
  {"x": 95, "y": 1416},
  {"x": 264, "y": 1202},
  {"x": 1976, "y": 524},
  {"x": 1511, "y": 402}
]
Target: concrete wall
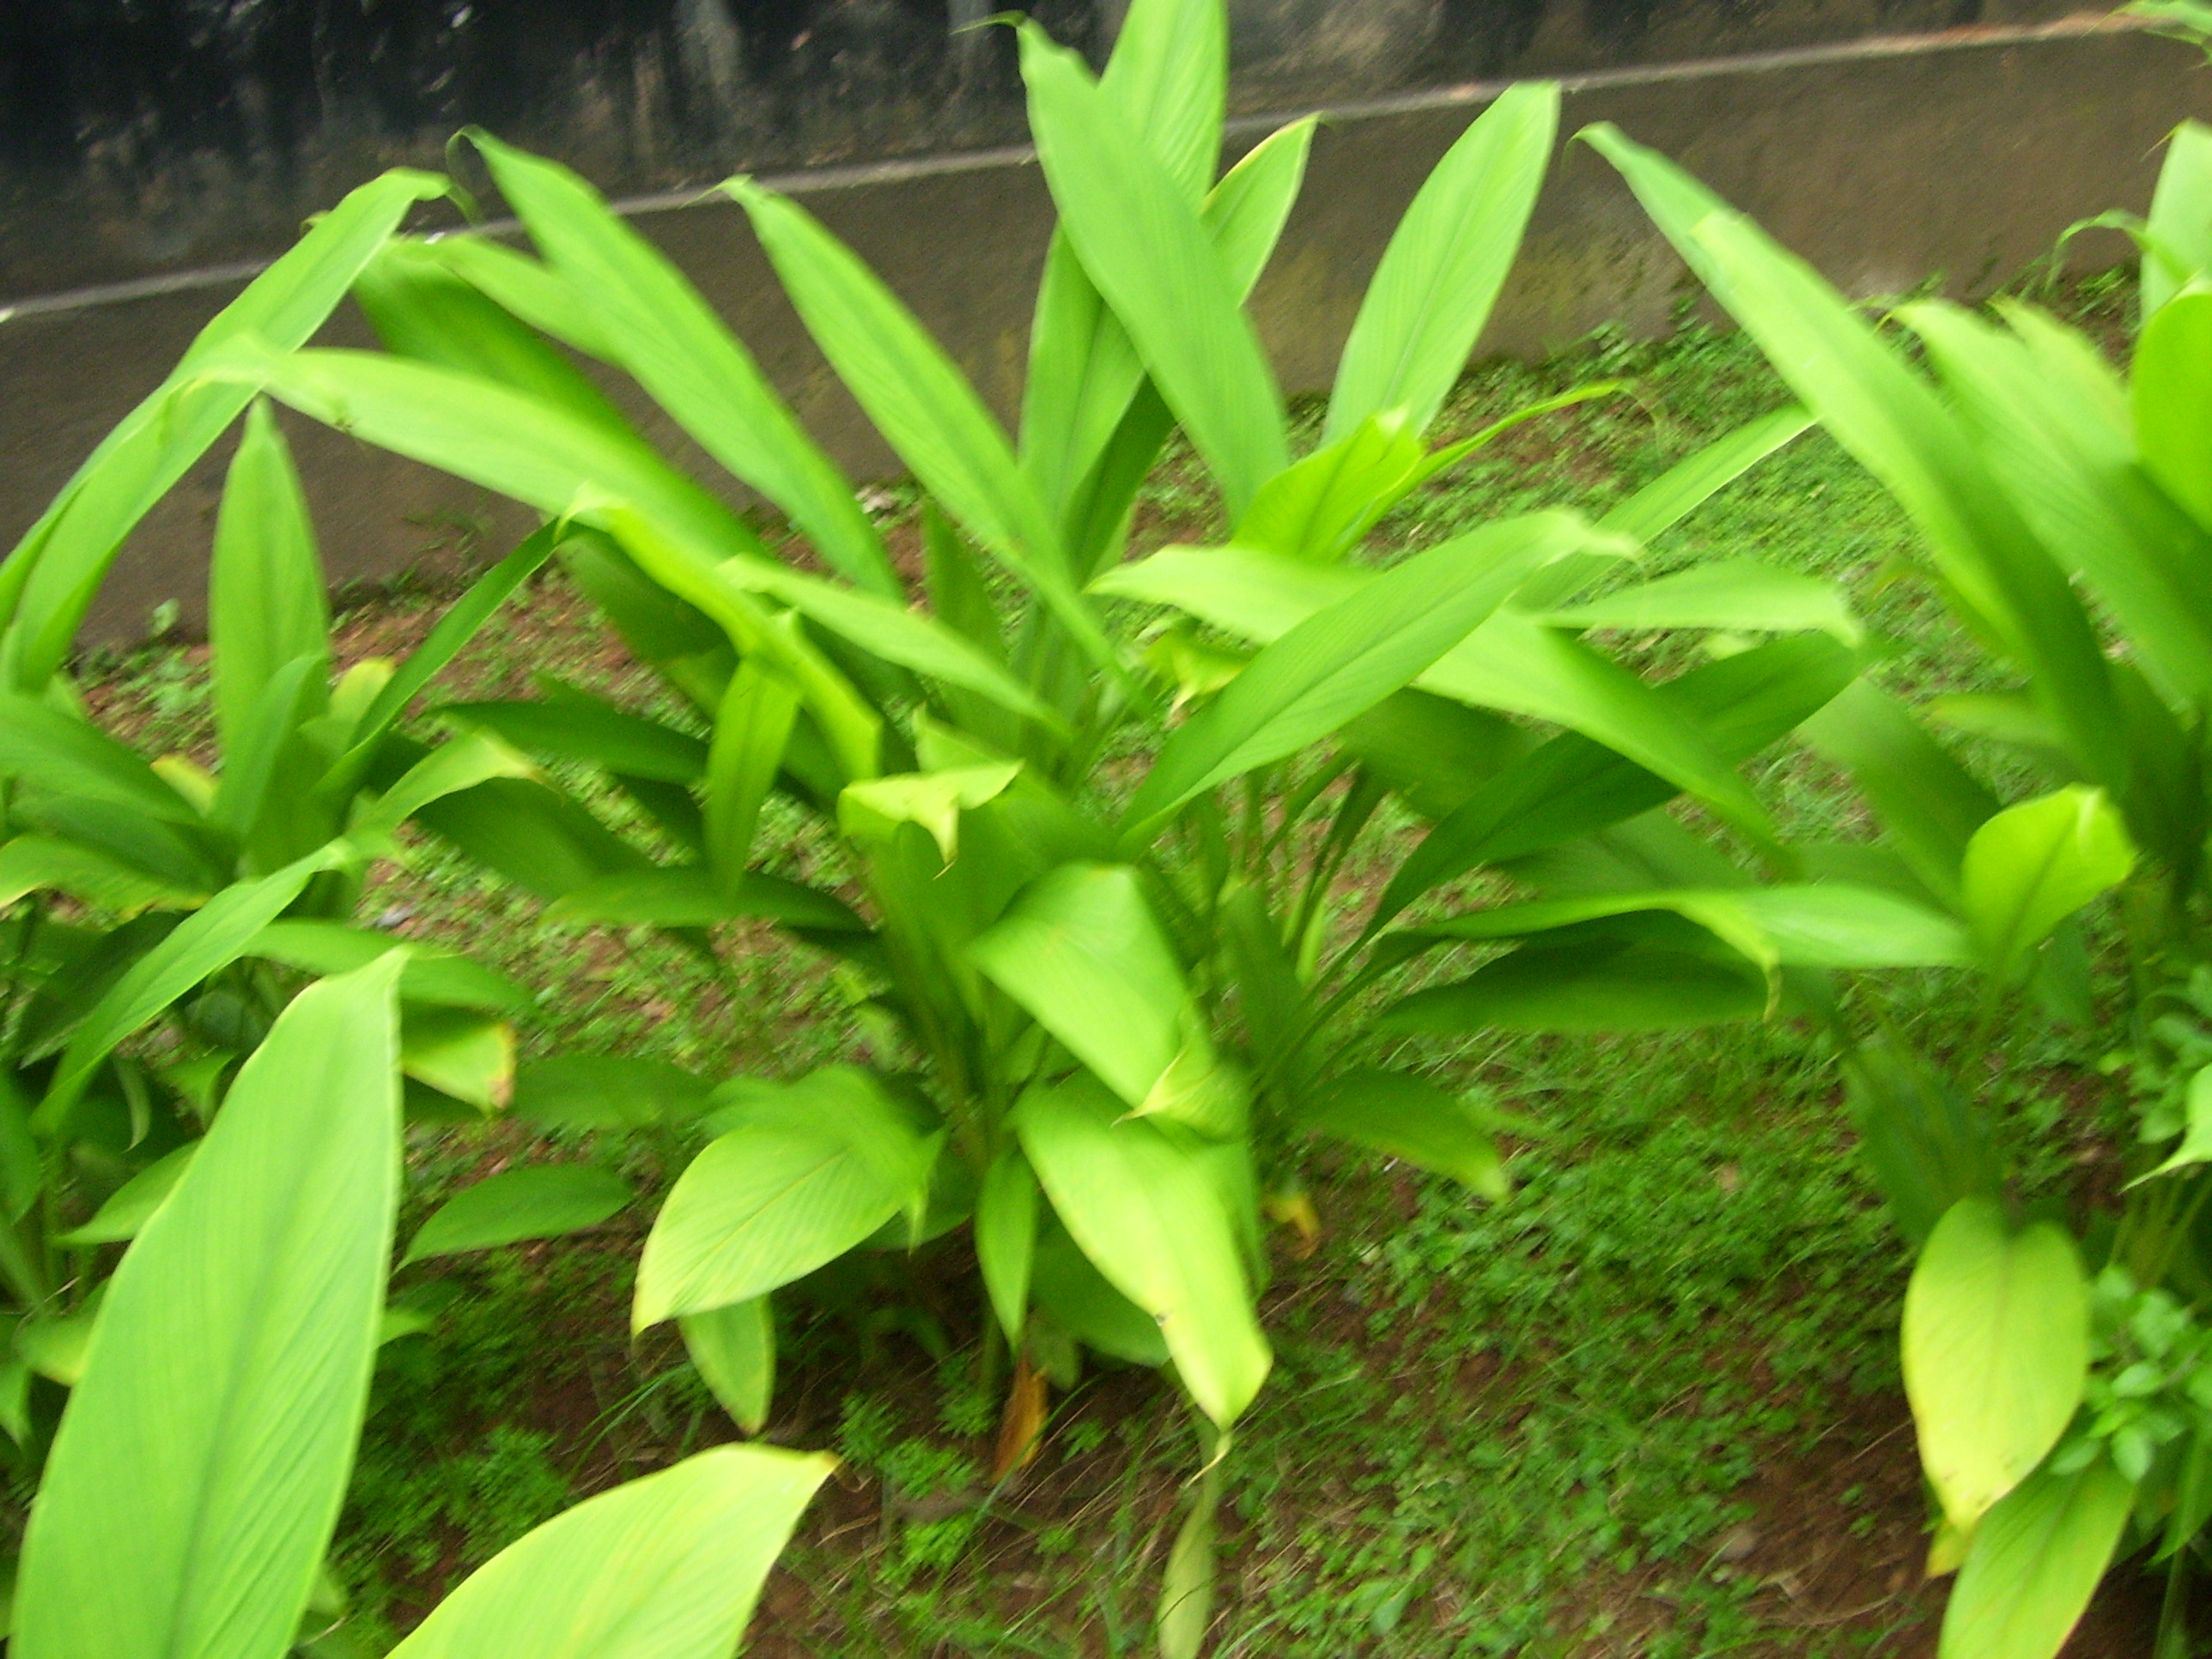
[{"x": 1883, "y": 160}]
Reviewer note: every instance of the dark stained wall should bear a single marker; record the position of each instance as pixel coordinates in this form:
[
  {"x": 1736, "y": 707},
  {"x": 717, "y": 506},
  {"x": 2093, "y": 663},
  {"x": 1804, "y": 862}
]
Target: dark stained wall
[{"x": 144, "y": 136}]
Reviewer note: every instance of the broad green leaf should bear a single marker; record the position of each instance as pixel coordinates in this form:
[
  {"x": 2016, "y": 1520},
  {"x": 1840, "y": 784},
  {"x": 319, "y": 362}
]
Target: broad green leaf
[
  {"x": 132, "y": 1204},
  {"x": 210, "y": 938},
  {"x": 2031, "y": 866},
  {"x": 1689, "y": 483},
  {"x": 934, "y": 800},
  {"x": 1325, "y": 503},
  {"x": 265, "y": 604},
  {"x": 580, "y": 727},
  {"x": 253, "y": 1295},
  {"x": 1996, "y": 1351},
  {"x": 1730, "y": 594},
  {"x": 451, "y": 631},
  {"x": 1886, "y": 416},
  {"x": 1075, "y": 1297},
  {"x": 431, "y": 974},
  {"x": 523, "y": 287},
  {"x": 607, "y": 1092},
  {"x": 917, "y": 397},
  {"x": 2051, "y": 419},
  {"x": 733, "y": 1349},
  {"x": 667, "y": 1567},
  {"x": 66, "y": 755},
  {"x": 1445, "y": 265},
  {"x": 685, "y": 895},
  {"x": 1187, "y": 1585},
  {"x": 2035, "y": 1562},
  {"x": 543, "y": 1201},
  {"x": 1408, "y": 1117},
  {"x": 449, "y": 769},
  {"x": 1580, "y": 988},
  {"x": 1341, "y": 661},
  {"x": 777, "y": 1197},
  {"x": 2173, "y": 378},
  {"x": 1926, "y": 1145},
  {"x": 48, "y": 582},
  {"x": 1143, "y": 245},
  {"x": 1572, "y": 787},
  {"x": 1082, "y": 952},
  {"x": 421, "y": 308},
  {"x": 31, "y": 864},
  {"x": 1927, "y": 802},
  {"x": 752, "y": 731},
  {"x": 1795, "y": 924},
  {"x": 1147, "y": 1212},
  {"x": 1006, "y": 1238},
  {"x": 540, "y": 840},
  {"x": 461, "y": 1054},
  {"x": 654, "y": 324},
  {"x": 1167, "y": 74},
  {"x": 2180, "y": 222},
  {"x": 57, "y": 1347},
  {"x": 1511, "y": 662},
  {"x": 1245, "y": 212}
]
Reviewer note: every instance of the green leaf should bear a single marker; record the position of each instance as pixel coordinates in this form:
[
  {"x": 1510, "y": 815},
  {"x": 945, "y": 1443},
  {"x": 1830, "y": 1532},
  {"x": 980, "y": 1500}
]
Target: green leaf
[
  {"x": 823, "y": 1163},
  {"x": 1887, "y": 416},
  {"x": 210, "y": 938},
  {"x": 685, "y": 895},
  {"x": 2172, "y": 377},
  {"x": 1083, "y": 953},
  {"x": 1410, "y": 1118},
  {"x": 449, "y": 769},
  {"x": 1571, "y": 786},
  {"x": 1925, "y": 1143},
  {"x": 582, "y": 727},
  {"x": 1997, "y": 1352},
  {"x": 1006, "y": 1238},
  {"x": 654, "y": 324},
  {"x": 265, "y": 604},
  {"x": 543, "y": 1201},
  {"x": 917, "y": 397},
  {"x": 31, "y": 864},
  {"x": 1445, "y": 265},
  {"x": 934, "y": 800},
  {"x": 607, "y": 1092},
  {"x": 1730, "y": 594},
  {"x": 1325, "y": 503},
  {"x": 48, "y": 582},
  {"x": 1142, "y": 243},
  {"x": 1689, "y": 483},
  {"x": 1795, "y": 924},
  {"x": 752, "y": 731},
  {"x": 540, "y": 841},
  {"x": 1581, "y": 988},
  {"x": 459, "y": 1053},
  {"x": 667, "y": 1567},
  {"x": 2181, "y": 223},
  {"x": 733, "y": 1349},
  {"x": 2197, "y": 1137},
  {"x": 431, "y": 974},
  {"x": 2032, "y": 865},
  {"x": 1148, "y": 1213},
  {"x": 66, "y": 755},
  {"x": 253, "y": 1294},
  {"x": 1927, "y": 802},
  {"x": 1185, "y": 1609},
  {"x": 2035, "y": 1562},
  {"x": 132, "y": 1204},
  {"x": 1345, "y": 658},
  {"x": 451, "y": 631}
]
